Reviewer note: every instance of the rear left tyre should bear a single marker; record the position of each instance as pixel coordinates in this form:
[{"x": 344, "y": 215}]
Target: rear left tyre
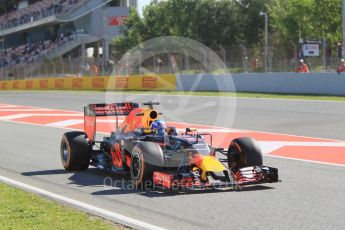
[{"x": 75, "y": 151}]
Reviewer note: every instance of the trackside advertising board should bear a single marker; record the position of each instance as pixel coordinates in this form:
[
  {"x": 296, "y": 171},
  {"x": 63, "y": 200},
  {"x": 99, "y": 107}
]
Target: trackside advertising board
[{"x": 135, "y": 82}]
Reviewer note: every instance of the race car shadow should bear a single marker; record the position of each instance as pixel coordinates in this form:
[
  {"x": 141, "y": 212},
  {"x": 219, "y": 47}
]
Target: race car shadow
[
  {"x": 154, "y": 193},
  {"x": 92, "y": 177},
  {"x": 120, "y": 184}
]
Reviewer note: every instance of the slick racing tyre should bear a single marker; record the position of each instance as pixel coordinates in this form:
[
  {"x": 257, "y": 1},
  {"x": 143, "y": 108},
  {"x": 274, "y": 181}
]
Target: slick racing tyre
[
  {"x": 147, "y": 157},
  {"x": 244, "y": 152},
  {"x": 75, "y": 151}
]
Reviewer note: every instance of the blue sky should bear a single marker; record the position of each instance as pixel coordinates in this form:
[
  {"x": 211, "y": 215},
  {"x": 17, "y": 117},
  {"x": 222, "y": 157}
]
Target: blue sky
[{"x": 142, "y": 3}]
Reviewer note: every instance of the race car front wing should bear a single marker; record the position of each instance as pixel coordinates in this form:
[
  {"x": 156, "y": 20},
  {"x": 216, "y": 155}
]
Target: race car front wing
[{"x": 244, "y": 176}]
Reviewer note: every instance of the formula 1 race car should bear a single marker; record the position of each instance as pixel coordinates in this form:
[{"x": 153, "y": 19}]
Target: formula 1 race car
[{"x": 158, "y": 155}]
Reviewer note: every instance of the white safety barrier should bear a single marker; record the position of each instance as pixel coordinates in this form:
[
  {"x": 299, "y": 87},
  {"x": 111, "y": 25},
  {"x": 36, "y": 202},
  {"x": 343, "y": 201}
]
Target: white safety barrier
[{"x": 290, "y": 83}]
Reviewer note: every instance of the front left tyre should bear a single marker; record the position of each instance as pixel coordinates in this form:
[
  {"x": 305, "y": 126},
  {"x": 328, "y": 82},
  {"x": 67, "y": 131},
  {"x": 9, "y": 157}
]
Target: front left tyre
[
  {"x": 75, "y": 151},
  {"x": 146, "y": 158}
]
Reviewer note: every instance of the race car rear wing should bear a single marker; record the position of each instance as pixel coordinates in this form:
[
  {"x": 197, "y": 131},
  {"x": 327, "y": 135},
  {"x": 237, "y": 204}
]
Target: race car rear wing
[
  {"x": 114, "y": 109},
  {"x": 92, "y": 111}
]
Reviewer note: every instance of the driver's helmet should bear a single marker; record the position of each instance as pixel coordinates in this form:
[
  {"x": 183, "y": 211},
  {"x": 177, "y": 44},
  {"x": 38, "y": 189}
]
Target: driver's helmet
[{"x": 159, "y": 126}]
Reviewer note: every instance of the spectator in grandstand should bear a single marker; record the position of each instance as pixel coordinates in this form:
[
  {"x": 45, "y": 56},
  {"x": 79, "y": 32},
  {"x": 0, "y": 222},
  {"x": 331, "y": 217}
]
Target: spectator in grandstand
[
  {"x": 302, "y": 67},
  {"x": 95, "y": 69},
  {"x": 30, "y": 52},
  {"x": 35, "y": 11},
  {"x": 341, "y": 66}
]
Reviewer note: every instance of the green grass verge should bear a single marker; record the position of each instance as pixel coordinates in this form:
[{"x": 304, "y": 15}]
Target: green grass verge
[
  {"x": 23, "y": 210},
  {"x": 224, "y": 94}
]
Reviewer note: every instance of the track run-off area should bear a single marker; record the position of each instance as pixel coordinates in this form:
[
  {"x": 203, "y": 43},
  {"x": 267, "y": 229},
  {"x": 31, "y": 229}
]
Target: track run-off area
[{"x": 310, "y": 196}]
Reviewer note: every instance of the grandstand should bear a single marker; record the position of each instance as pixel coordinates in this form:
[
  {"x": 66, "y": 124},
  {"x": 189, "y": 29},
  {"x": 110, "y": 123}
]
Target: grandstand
[{"x": 34, "y": 32}]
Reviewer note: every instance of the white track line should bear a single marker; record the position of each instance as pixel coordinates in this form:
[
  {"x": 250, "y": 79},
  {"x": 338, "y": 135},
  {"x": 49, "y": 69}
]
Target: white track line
[
  {"x": 225, "y": 130},
  {"x": 57, "y": 114},
  {"x": 77, "y": 122},
  {"x": 270, "y": 146},
  {"x": 23, "y": 110},
  {"x": 24, "y": 115},
  {"x": 258, "y": 131},
  {"x": 118, "y": 218},
  {"x": 66, "y": 123},
  {"x": 11, "y": 106},
  {"x": 15, "y": 116},
  {"x": 303, "y": 160}
]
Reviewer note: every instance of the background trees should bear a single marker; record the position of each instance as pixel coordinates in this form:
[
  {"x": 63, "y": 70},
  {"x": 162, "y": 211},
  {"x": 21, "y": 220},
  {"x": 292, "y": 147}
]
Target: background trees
[
  {"x": 228, "y": 23},
  {"x": 220, "y": 22},
  {"x": 308, "y": 19}
]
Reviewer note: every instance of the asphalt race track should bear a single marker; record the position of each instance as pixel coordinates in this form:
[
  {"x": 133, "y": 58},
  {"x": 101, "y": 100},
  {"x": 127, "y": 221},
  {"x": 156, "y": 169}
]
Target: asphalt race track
[{"x": 310, "y": 196}]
